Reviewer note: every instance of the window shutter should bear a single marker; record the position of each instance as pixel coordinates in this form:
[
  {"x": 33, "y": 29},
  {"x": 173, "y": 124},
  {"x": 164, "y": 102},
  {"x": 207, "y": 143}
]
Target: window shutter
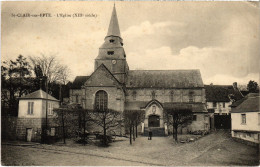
[
  {"x": 28, "y": 112},
  {"x": 32, "y": 107}
]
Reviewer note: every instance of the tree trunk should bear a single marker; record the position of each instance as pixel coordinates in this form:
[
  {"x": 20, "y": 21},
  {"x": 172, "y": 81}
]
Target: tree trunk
[
  {"x": 133, "y": 132},
  {"x": 130, "y": 134},
  {"x": 136, "y": 130},
  {"x": 84, "y": 125},
  {"x": 63, "y": 127},
  {"x": 176, "y": 133},
  {"x": 105, "y": 133}
]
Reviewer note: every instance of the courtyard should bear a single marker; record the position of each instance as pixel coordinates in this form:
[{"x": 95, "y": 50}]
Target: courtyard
[{"x": 217, "y": 148}]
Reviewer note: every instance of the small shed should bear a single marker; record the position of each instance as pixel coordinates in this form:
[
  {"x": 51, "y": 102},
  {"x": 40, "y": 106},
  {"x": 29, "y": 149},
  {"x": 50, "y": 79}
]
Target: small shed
[{"x": 32, "y": 115}]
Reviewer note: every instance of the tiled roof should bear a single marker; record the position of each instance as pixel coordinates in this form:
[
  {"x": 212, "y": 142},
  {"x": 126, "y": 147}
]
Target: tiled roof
[
  {"x": 78, "y": 82},
  {"x": 39, "y": 94},
  {"x": 221, "y": 93},
  {"x": 238, "y": 102},
  {"x": 249, "y": 104},
  {"x": 164, "y": 79}
]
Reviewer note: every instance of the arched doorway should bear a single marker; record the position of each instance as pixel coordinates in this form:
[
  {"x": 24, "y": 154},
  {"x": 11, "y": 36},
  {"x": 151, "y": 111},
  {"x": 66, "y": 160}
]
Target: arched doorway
[{"x": 154, "y": 121}]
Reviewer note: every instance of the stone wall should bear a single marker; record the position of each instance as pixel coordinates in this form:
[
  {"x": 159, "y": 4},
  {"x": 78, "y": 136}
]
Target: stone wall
[
  {"x": 252, "y": 137},
  {"x": 8, "y": 128},
  {"x": 201, "y": 123},
  {"x": 164, "y": 95},
  {"x": 115, "y": 97},
  {"x": 36, "y": 124},
  {"x": 75, "y": 95},
  {"x": 26, "y": 123}
]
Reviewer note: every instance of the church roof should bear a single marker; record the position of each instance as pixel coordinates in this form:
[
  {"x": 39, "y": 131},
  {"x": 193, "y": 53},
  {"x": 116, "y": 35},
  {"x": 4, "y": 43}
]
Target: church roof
[
  {"x": 222, "y": 93},
  {"x": 39, "y": 94},
  {"x": 113, "y": 29},
  {"x": 164, "y": 79},
  {"x": 78, "y": 82}
]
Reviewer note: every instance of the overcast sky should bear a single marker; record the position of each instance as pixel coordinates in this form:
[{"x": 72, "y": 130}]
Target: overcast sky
[{"x": 219, "y": 38}]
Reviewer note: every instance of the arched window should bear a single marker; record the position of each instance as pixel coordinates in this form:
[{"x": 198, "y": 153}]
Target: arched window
[{"x": 101, "y": 100}]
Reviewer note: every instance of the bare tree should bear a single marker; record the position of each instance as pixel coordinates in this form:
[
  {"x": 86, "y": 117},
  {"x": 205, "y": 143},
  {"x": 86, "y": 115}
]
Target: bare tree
[
  {"x": 67, "y": 117},
  {"x": 132, "y": 118},
  {"x": 178, "y": 117},
  {"x": 108, "y": 120},
  {"x": 51, "y": 68}
]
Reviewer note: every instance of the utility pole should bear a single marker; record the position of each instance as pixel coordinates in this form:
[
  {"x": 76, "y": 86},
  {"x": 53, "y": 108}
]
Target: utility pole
[{"x": 46, "y": 120}]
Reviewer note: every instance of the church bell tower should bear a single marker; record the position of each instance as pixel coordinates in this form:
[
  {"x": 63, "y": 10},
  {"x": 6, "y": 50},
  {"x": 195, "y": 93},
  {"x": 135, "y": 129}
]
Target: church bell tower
[{"x": 112, "y": 53}]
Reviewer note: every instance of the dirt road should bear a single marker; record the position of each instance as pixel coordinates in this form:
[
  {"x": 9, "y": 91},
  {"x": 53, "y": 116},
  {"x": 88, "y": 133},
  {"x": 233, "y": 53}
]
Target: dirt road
[{"x": 214, "y": 149}]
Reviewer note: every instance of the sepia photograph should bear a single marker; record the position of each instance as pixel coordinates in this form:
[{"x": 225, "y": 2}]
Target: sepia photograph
[{"x": 130, "y": 83}]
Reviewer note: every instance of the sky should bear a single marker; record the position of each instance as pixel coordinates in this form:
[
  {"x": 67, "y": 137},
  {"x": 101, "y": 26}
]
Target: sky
[{"x": 221, "y": 39}]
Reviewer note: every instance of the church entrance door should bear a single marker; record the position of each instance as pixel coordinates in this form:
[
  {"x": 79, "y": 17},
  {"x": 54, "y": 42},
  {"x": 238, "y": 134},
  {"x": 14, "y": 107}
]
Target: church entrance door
[{"x": 154, "y": 121}]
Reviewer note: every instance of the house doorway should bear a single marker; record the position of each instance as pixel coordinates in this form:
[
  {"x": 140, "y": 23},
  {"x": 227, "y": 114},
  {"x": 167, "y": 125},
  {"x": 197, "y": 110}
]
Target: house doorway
[
  {"x": 29, "y": 134},
  {"x": 154, "y": 121}
]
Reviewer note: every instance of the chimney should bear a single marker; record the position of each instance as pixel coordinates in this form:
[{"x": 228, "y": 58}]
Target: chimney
[{"x": 235, "y": 85}]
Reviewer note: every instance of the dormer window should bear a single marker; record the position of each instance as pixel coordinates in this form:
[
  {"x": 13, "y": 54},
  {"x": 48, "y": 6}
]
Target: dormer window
[
  {"x": 110, "y": 52},
  {"x": 111, "y": 41}
]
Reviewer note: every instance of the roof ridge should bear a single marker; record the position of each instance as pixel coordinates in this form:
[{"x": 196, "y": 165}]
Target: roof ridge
[
  {"x": 218, "y": 85},
  {"x": 169, "y": 70}
]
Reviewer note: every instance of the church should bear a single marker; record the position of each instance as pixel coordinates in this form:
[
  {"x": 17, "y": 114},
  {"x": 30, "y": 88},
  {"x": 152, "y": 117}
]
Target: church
[{"x": 114, "y": 85}]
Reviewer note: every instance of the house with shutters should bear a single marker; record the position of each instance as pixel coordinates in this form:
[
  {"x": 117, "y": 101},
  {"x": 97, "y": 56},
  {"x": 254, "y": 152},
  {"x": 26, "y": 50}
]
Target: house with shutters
[
  {"x": 32, "y": 115},
  {"x": 113, "y": 85}
]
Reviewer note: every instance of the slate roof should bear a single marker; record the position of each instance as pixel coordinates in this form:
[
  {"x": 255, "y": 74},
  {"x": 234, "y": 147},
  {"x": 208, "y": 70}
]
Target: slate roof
[
  {"x": 113, "y": 29},
  {"x": 221, "y": 93},
  {"x": 78, "y": 82},
  {"x": 250, "y": 104},
  {"x": 39, "y": 94},
  {"x": 164, "y": 79},
  {"x": 237, "y": 103}
]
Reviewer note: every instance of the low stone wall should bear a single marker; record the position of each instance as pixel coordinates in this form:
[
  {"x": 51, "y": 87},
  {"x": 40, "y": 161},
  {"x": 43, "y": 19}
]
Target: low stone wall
[
  {"x": 29, "y": 123},
  {"x": 8, "y": 128},
  {"x": 246, "y": 142}
]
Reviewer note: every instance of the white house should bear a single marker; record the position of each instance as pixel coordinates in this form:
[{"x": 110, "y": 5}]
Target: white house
[
  {"x": 32, "y": 115},
  {"x": 245, "y": 115}
]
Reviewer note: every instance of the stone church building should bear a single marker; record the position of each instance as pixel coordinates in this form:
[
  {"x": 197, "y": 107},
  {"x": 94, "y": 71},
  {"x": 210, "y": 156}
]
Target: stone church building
[{"x": 115, "y": 86}]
